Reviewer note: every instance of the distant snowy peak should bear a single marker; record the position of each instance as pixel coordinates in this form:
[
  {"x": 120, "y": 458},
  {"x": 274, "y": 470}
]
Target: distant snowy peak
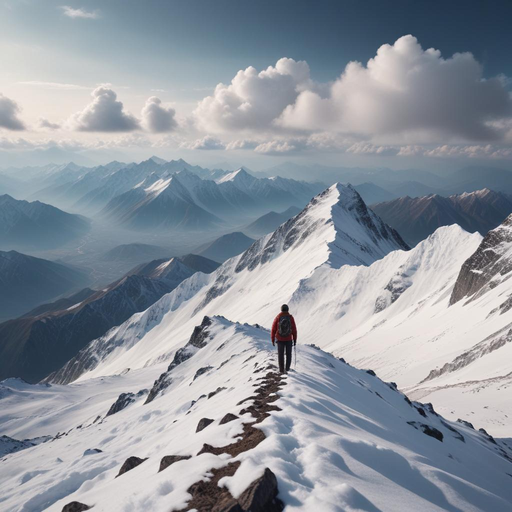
[
  {"x": 240, "y": 177},
  {"x": 488, "y": 266}
]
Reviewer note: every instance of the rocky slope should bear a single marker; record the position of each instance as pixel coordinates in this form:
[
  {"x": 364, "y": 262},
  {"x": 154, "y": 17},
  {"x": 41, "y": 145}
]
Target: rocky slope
[{"x": 418, "y": 217}]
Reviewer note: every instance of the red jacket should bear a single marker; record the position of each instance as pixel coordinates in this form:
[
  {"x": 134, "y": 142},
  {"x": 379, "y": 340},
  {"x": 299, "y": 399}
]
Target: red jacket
[{"x": 275, "y": 332}]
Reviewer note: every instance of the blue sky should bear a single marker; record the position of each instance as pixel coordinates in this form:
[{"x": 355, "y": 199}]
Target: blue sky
[{"x": 55, "y": 54}]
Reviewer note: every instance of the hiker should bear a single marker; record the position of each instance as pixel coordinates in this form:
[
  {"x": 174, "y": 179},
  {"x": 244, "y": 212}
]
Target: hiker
[{"x": 285, "y": 332}]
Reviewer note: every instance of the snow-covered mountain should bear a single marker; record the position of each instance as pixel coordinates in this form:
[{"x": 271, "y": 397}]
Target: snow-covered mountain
[
  {"x": 32, "y": 347},
  {"x": 35, "y": 225},
  {"x": 416, "y": 218},
  {"x": 330, "y": 437},
  {"x": 357, "y": 293},
  {"x": 185, "y": 201},
  {"x": 26, "y": 282},
  {"x": 334, "y": 230}
]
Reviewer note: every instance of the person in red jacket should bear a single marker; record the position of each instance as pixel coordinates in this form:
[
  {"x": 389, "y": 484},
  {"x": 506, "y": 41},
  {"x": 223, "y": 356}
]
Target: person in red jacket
[{"x": 284, "y": 331}]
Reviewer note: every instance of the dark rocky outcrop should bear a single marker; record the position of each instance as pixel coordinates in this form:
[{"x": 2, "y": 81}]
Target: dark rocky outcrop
[
  {"x": 261, "y": 495},
  {"x": 168, "y": 460},
  {"x": 227, "y": 418},
  {"x": 75, "y": 506},
  {"x": 427, "y": 429},
  {"x": 196, "y": 342},
  {"x": 202, "y": 371},
  {"x": 479, "y": 272},
  {"x": 124, "y": 400},
  {"x": 129, "y": 464},
  {"x": 203, "y": 423}
]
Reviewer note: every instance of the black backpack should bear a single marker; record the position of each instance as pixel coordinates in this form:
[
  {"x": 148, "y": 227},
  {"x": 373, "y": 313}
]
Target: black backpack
[{"x": 285, "y": 326}]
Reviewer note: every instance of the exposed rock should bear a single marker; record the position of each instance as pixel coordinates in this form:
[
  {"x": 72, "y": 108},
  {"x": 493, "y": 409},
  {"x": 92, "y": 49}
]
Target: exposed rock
[
  {"x": 124, "y": 400},
  {"x": 227, "y": 418},
  {"x": 428, "y": 430},
  {"x": 213, "y": 393},
  {"x": 261, "y": 495},
  {"x": 487, "y": 266},
  {"x": 75, "y": 506},
  {"x": 466, "y": 423},
  {"x": 171, "y": 459},
  {"x": 203, "y": 423},
  {"x": 202, "y": 371},
  {"x": 455, "y": 432},
  {"x": 371, "y": 372},
  {"x": 195, "y": 343},
  {"x": 129, "y": 464}
]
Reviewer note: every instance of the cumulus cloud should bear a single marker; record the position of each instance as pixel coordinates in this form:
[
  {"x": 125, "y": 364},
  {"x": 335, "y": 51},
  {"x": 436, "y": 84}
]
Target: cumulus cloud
[
  {"x": 156, "y": 118},
  {"x": 407, "y": 91},
  {"x": 208, "y": 142},
  {"x": 253, "y": 99},
  {"x": 281, "y": 147},
  {"x": 104, "y": 114},
  {"x": 242, "y": 144},
  {"x": 47, "y": 125},
  {"x": 404, "y": 95},
  {"x": 9, "y": 112},
  {"x": 79, "y": 13}
]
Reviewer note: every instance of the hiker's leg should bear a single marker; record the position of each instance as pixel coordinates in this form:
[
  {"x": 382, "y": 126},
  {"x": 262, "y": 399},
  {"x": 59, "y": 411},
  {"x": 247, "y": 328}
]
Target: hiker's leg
[
  {"x": 289, "y": 345},
  {"x": 280, "y": 355}
]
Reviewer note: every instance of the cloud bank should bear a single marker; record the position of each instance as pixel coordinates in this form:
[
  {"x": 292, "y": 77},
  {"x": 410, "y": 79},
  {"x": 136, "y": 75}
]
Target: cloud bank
[
  {"x": 9, "y": 111},
  {"x": 403, "y": 95},
  {"x": 104, "y": 114},
  {"x": 157, "y": 118}
]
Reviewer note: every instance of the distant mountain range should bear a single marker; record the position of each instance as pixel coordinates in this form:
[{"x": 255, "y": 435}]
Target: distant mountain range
[
  {"x": 183, "y": 200},
  {"x": 417, "y": 218},
  {"x": 270, "y": 222},
  {"x": 36, "y": 225},
  {"x": 26, "y": 282},
  {"x": 226, "y": 246},
  {"x": 135, "y": 253}
]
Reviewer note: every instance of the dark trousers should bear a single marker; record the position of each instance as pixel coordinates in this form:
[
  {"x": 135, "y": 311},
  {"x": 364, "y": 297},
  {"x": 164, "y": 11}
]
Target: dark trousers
[{"x": 283, "y": 346}]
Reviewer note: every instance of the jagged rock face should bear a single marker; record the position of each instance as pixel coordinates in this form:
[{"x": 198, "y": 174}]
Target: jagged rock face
[
  {"x": 124, "y": 400},
  {"x": 392, "y": 292},
  {"x": 197, "y": 341},
  {"x": 483, "y": 270}
]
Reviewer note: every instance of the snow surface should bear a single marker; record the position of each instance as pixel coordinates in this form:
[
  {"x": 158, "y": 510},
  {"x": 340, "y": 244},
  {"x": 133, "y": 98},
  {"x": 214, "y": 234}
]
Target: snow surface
[{"x": 341, "y": 441}]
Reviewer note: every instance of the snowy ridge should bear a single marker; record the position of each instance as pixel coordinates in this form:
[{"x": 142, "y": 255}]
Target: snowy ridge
[
  {"x": 335, "y": 229},
  {"x": 342, "y": 440}
]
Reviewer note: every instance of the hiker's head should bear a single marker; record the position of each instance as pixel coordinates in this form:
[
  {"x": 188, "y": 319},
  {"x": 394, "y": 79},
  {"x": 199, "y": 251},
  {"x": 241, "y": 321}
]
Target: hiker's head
[{"x": 285, "y": 308}]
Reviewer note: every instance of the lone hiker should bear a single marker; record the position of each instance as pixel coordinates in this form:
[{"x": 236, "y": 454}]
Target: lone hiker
[{"x": 285, "y": 332}]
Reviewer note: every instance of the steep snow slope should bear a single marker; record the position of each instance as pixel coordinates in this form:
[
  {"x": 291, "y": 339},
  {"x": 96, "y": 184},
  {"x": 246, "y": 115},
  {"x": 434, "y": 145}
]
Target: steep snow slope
[
  {"x": 334, "y": 230},
  {"x": 340, "y": 439}
]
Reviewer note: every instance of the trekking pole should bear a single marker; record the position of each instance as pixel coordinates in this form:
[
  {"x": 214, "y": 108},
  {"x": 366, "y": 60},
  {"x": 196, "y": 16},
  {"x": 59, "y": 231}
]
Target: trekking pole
[{"x": 295, "y": 350}]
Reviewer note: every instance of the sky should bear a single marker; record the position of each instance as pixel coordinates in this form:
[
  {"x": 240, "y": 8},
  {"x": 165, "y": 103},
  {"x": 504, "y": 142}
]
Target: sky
[{"x": 347, "y": 82}]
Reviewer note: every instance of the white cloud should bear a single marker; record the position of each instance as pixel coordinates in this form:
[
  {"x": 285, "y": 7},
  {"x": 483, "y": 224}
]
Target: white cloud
[
  {"x": 281, "y": 147},
  {"x": 79, "y": 13},
  {"x": 242, "y": 144},
  {"x": 253, "y": 100},
  {"x": 9, "y": 112},
  {"x": 104, "y": 114},
  {"x": 156, "y": 118},
  {"x": 406, "y": 93},
  {"x": 47, "y": 125},
  {"x": 208, "y": 142}
]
